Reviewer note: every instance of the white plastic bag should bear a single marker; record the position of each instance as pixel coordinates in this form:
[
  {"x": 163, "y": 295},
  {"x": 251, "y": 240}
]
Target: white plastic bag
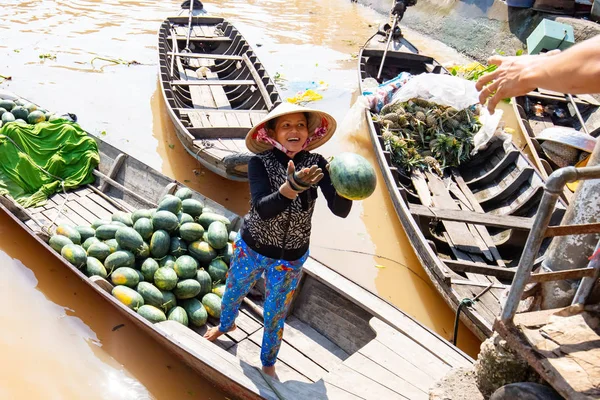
[
  {"x": 446, "y": 90},
  {"x": 355, "y": 119},
  {"x": 491, "y": 125}
]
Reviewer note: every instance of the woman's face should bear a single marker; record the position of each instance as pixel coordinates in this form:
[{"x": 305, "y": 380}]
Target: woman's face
[{"x": 291, "y": 131}]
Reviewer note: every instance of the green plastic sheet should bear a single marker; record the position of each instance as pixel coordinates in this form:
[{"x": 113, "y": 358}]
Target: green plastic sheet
[{"x": 66, "y": 154}]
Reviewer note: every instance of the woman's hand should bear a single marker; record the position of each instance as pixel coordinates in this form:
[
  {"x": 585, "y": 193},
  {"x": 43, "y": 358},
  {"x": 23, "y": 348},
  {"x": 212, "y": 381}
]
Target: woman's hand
[{"x": 298, "y": 182}]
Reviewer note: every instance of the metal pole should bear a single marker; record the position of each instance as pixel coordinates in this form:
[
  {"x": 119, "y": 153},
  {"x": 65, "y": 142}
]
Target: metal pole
[
  {"x": 578, "y": 114},
  {"x": 553, "y": 188},
  {"x": 387, "y": 46},
  {"x": 587, "y": 283}
]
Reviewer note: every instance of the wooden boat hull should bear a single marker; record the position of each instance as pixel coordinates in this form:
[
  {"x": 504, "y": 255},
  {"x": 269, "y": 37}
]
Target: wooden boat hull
[
  {"x": 334, "y": 336},
  {"x": 498, "y": 182},
  {"x": 215, "y": 93}
]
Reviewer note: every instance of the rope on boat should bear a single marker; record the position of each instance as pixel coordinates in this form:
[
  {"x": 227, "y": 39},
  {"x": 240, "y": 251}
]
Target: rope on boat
[
  {"x": 469, "y": 303},
  {"x": 62, "y": 185}
]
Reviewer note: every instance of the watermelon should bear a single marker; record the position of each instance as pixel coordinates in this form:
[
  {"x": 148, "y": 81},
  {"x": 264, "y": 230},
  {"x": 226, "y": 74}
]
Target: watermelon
[
  {"x": 187, "y": 289},
  {"x": 208, "y": 210},
  {"x": 7, "y": 104},
  {"x": 117, "y": 223},
  {"x": 119, "y": 259},
  {"x": 122, "y": 217},
  {"x": 208, "y": 218},
  {"x": 21, "y": 121},
  {"x": 2, "y": 111},
  {"x": 219, "y": 289},
  {"x": 177, "y": 247},
  {"x": 184, "y": 193},
  {"x": 186, "y": 267},
  {"x": 217, "y": 235},
  {"x": 74, "y": 254},
  {"x": 160, "y": 243},
  {"x": 352, "y": 176},
  {"x": 165, "y": 220},
  {"x": 226, "y": 253},
  {"x": 128, "y": 296},
  {"x": 85, "y": 232},
  {"x": 99, "y": 250},
  {"x": 112, "y": 245},
  {"x": 140, "y": 275},
  {"x": 90, "y": 241},
  {"x": 20, "y": 112},
  {"x": 99, "y": 222},
  {"x": 57, "y": 242},
  {"x": 70, "y": 232},
  {"x": 152, "y": 313},
  {"x": 142, "y": 252},
  {"x": 129, "y": 239},
  {"x": 202, "y": 251},
  {"x": 192, "y": 207},
  {"x": 170, "y": 203},
  {"x": 36, "y": 117},
  {"x": 169, "y": 300},
  {"x": 8, "y": 117},
  {"x": 184, "y": 218},
  {"x": 150, "y": 293},
  {"x": 95, "y": 267},
  {"x": 30, "y": 107},
  {"x": 149, "y": 268},
  {"x": 212, "y": 303},
  {"x": 168, "y": 262},
  {"x": 144, "y": 227},
  {"x": 165, "y": 278},
  {"x": 125, "y": 276},
  {"x": 106, "y": 232},
  {"x": 217, "y": 270},
  {"x": 191, "y": 231},
  {"x": 205, "y": 281},
  {"x": 142, "y": 213},
  {"x": 178, "y": 314},
  {"x": 196, "y": 312}
]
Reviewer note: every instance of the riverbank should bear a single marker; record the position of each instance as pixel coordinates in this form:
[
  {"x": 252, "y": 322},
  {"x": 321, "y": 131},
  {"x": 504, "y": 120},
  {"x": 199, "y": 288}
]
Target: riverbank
[{"x": 477, "y": 28}]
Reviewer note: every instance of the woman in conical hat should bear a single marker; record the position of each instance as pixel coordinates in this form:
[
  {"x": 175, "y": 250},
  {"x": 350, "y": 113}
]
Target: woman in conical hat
[{"x": 274, "y": 239}]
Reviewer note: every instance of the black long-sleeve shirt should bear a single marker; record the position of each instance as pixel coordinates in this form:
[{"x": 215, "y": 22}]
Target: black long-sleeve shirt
[{"x": 268, "y": 203}]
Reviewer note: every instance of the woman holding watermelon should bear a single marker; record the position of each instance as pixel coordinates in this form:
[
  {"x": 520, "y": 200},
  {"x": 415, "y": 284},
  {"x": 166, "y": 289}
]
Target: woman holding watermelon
[{"x": 275, "y": 236}]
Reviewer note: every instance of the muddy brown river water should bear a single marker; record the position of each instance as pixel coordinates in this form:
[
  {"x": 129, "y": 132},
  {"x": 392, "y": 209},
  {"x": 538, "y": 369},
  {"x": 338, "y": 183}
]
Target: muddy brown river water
[{"x": 59, "y": 340}]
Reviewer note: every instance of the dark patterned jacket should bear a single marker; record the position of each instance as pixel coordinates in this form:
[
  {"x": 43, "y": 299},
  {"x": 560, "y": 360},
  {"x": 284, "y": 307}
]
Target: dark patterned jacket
[{"x": 276, "y": 226}]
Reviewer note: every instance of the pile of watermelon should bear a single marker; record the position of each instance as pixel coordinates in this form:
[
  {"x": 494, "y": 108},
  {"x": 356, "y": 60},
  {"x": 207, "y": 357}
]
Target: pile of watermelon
[
  {"x": 24, "y": 112},
  {"x": 165, "y": 263}
]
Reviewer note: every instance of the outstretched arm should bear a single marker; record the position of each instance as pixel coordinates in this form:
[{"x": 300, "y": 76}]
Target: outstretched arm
[{"x": 575, "y": 71}]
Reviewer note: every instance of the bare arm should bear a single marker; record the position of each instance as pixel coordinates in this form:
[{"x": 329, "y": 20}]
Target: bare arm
[{"x": 576, "y": 71}]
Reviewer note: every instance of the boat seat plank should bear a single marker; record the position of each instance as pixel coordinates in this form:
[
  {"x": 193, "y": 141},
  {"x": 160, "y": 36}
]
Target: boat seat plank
[
  {"x": 208, "y": 82},
  {"x": 99, "y": 212},
  {"x": 369, "y": 368},
  {"x": 208, "y": 31},
  {"x": 221, "y": 148},
  {"x": 480, "y": 268},
  {"x": 500, "y": 221},
  {"x": 200, "y": 38},
  {"x": 78, "y": 209},
  {"x": 244, "y": 120},
  {"x": 257, "y": 117},
  {"x": 232, "y": 120},
  {"x": 248, "y": 351},
  {"x": 205, "y": 55},
  {"x": 312, "y": 344},
  {"x": 359, "y": 384},
  {"x": 61, "y": 219},
  {"x": 103, "y": 203},
  {"x": 217, "y": 119},
  {"x": 293, "y": 357},
  {"x": 219, "y": 95},
  {"x": 208, "y": 354},
  {"x": 201, "y": 95},
  {"x": 407, "y": 348}
]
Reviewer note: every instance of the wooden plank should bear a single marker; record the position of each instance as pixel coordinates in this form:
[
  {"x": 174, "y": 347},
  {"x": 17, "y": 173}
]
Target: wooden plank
[
  {"x": 221, "y": 99},
  {"x": 201, "y": 38},
  {"x": 231, "y": 119},
  {"x": 575, "y": 229},
  {"x": 398, "y": 320},
  {"x": 250, "y": 352},
  {"x": 369, "y": 368},
  {"x": 261, "y": 86},
  {"x": 82, "y": 192},
  {"x": 409, "y": 349},
  {"x": 208, "y": 82},
  {"x": 111, "y": 209},
  {"x": 210, "y": 56},
  {"x": 420, "y": 184},
  {"x": 244, "y": 120},
  {"x": 292, "y": 390},
  {"x": 62, "y": 219},
  {"x": 257, "y": 118},
  {"x": 294, "y": 358},
  {"x": 224, "y": 341},
  {"x": 535, "y": 318},
  {"x": 574, "y": 273},
  {"x": 196, "y": 120},
  {"x": 360, "y": 385},
  {"x": 217, "y": 119},
  {"x": 469, "y": 217},
  {"x": 312, "y": 344},
  {"x": 114, "y": 170},
  {"x": 468, "y": 266},
  {"x": 246, "y": 323},
  {"x": 81, "y": 211},
  {"x": 201, "y": 95}
]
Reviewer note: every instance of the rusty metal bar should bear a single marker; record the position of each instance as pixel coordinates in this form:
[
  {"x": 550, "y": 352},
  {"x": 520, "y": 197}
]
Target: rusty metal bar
[
  {"x": 574, "y": 273},
  {"x": 579, "y": 229},
  {"x": 586, "y": 284},
  {"x": 552, "y": 190}
]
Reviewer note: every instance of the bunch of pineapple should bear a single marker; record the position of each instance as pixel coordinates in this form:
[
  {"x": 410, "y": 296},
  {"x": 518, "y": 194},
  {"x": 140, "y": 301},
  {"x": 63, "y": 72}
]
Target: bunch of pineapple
[{"x": 423, "y": 135}]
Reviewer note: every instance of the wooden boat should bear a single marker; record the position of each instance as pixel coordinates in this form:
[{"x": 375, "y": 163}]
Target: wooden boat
[
  {"x": 340, "y": 341},
  {"x": 542, "y": 109},
  {"x": 215, "y": 92},
  {"x": 467, "y": 228}
]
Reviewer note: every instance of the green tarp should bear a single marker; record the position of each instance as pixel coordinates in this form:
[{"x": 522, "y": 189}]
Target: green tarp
[{"x": 62, "y": 149}]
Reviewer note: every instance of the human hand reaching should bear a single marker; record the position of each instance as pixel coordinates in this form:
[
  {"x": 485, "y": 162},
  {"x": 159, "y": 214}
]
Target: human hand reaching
[{"x": 298, "y": 181}]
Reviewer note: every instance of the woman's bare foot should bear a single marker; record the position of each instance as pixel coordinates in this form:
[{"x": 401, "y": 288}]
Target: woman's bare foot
[
  {"x": 270, "y": 371},
  {"x": 213, "y": 333}
]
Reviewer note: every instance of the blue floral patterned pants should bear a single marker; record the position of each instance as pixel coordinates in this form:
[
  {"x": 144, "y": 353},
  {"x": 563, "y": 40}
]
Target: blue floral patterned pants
[{"x": 282, "y": 279}]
